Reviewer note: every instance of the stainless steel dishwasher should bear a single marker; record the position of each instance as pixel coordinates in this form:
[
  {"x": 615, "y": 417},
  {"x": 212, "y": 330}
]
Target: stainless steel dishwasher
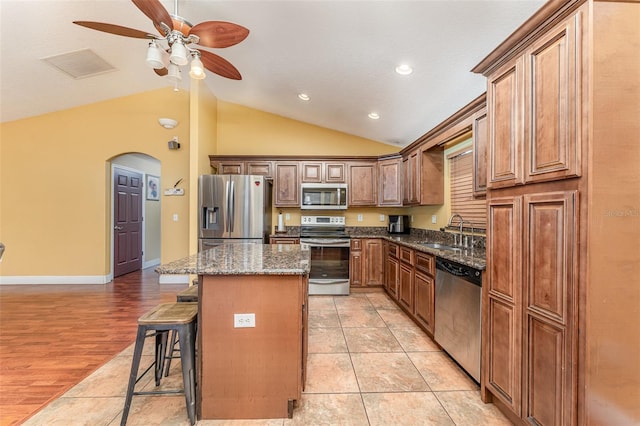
[{"x": 457, "y": 316}]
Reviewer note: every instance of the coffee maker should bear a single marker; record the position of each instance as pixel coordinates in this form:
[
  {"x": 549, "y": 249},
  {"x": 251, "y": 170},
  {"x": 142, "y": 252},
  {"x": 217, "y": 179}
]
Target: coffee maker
[{"x": 398, "y": 224}]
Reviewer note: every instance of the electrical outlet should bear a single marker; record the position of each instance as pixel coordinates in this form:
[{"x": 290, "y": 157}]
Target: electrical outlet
[
  {"x": 434, "y": 218},
  {"x": 287, "y": 216},
  {"x": 359, "y": 218},
  {"x": 175, "y": 217},
  {"x": 381, "y": 218},
  {"x": 244, "y": 320}
]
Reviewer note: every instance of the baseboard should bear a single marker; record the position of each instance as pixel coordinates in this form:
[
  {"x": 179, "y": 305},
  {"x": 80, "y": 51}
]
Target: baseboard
[
  {"x": 149, "y": 263},
  {"x": 61, "y": 279},
  {"x": 173, "y": 279}
]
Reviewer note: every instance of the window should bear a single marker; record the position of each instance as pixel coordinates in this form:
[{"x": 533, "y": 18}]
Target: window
[{"x": 461, "y": 178}]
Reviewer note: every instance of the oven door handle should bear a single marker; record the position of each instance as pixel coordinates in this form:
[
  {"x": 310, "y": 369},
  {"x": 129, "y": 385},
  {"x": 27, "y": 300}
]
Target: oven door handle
[{"x": 327, "y": 243}]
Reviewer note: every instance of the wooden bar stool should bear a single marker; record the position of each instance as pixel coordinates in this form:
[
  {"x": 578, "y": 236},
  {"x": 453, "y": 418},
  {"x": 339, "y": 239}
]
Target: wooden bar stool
[
  {"x": 158, "y": 322},
  {"x": 185, "y": 296}
]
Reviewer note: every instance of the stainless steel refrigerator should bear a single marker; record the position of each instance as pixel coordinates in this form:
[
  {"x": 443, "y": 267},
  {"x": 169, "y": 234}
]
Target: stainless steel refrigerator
[{"x": 233, "y": 209}]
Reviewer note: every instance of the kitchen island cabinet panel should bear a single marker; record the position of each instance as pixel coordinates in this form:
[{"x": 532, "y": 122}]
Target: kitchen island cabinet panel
[{"x": 250, "y": 372}]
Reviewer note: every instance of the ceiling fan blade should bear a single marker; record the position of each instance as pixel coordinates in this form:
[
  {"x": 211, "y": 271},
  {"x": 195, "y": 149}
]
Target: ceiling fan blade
[
  {"x": 219, "y": 34},
  {"x": 115, "y": 29},
  {"x": 161, "y": 72},
  {"x": 219, "y": 65},
  {"x": 155, "y": 11}
]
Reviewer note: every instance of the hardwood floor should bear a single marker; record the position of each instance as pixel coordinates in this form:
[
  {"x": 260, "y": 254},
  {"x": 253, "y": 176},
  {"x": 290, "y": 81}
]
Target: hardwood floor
[{"x": 53, "y": 336}]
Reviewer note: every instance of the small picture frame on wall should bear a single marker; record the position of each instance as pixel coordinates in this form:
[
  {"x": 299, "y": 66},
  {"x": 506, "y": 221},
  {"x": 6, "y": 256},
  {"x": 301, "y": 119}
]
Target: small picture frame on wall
[{"x": 153, "y": 188}]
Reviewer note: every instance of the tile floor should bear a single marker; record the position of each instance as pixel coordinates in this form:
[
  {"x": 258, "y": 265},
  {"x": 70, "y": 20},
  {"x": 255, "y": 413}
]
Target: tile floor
[{"x": 368, "y": 364}]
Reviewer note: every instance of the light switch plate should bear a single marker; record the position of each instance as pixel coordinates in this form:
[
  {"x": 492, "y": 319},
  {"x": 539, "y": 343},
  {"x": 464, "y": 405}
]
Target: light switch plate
[
  {"x": 434, "y": 219},
  {"x": 244, "y": 320},
  {"x": 381, "y": 218},
  {"x": 359, "y": 218}
]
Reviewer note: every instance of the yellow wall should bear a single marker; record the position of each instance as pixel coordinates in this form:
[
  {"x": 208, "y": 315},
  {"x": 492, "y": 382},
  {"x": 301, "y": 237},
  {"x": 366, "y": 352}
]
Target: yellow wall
[
  {"x": 246, "y": 131},
  {"x": 55, "y": 185}
]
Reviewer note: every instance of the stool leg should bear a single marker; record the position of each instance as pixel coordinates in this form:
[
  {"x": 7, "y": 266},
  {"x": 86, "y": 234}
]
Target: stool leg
[
  {"x": 135, "y": 364},
  {"x": 187, "y": 358},
  {"x": 170, "y": 351},
  {"x": 161, "y": 351}
]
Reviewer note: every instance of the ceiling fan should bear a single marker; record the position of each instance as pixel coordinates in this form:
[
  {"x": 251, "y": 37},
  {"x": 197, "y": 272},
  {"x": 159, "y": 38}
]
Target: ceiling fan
[{"x": 179, "y": 34}]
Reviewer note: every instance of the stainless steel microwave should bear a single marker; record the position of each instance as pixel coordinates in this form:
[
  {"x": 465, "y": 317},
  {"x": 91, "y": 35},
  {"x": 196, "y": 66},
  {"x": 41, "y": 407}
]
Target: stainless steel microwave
[{"x": 323, "y": 196}]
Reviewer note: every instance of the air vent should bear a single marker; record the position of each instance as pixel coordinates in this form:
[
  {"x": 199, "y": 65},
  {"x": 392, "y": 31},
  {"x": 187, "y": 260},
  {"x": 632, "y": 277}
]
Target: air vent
[{"x": 80, "y": 64}]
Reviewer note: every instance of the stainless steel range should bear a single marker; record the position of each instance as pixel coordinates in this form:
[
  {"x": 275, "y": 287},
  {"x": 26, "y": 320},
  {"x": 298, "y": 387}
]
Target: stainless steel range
[{"x": 328, "y": 242}]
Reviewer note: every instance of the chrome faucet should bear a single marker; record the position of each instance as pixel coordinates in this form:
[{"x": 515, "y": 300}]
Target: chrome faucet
[{"x": 453, "y": 216}]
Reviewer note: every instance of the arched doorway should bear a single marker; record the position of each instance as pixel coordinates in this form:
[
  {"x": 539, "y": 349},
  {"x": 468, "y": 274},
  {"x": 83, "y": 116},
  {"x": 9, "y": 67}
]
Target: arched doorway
[{"x": 135, "y": 212}]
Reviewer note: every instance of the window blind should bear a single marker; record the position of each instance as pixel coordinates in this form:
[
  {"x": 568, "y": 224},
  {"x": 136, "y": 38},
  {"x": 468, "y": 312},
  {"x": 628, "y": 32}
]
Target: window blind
[{"x": 462, "y": 200}]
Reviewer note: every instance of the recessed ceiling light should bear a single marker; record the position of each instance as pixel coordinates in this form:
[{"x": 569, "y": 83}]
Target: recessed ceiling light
[
  {"x": 303, "y": 96},
  {"x": 374, "y": 115},
  {"x": 404, "y": 69}
]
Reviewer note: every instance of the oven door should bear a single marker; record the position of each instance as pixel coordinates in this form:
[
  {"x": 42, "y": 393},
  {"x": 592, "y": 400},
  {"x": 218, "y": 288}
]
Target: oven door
[{"x": 329, "y": 272}]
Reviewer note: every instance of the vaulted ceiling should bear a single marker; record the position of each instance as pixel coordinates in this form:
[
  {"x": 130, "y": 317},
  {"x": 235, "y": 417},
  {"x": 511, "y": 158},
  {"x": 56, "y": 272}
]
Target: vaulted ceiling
[{"x": 341, "y": 53}]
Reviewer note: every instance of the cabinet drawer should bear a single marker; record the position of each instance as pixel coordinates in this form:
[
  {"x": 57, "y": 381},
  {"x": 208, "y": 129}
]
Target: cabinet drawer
[
  {"x": 425, "y": 263},
  {"x": 393, "y": 249},
  {"x": 406, "y": 255},
  {"x": 284, "y": 240},
  {"x": 356, "y": 244}
]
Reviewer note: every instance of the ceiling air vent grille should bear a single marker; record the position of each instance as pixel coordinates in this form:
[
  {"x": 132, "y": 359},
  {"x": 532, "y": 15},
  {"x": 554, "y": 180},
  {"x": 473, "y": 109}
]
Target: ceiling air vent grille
[{"x": 80, "y": 64}]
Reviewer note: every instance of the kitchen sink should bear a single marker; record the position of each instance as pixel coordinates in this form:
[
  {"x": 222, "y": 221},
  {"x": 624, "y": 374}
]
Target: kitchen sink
[{"x": 439, "y": 246}]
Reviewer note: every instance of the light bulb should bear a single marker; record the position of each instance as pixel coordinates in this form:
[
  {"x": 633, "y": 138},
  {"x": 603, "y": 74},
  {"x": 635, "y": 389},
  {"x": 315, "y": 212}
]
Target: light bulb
[{"x": 197, "y": 69}]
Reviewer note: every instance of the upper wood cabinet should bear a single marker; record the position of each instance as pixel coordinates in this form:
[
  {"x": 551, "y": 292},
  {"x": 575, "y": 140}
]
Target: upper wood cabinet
[
  {"x": 363, "y": 184},
  {"x": 261, "y": 168},
  {"x": 323, "y": 172},
  {"x": 533, "y": 103},
  {"x": 411, "y": 171},
  {"x": 480, "y": 139},
  {"x": 390, "y": 182},
  {"x": 431, "y": 176},
  {"x": 286, "y": 185}
]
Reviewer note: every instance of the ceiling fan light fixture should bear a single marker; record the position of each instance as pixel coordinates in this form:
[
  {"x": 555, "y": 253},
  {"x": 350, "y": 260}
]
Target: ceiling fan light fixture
[
  {"x": 197, "y": 69},
  {"x": 174, "y": 73},
  {"x": 154, "y": 56},
  {"x": 179, "y": 53}
]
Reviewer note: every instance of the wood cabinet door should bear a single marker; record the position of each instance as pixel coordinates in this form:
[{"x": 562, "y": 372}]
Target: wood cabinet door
[
  {"x": 231, "y": 168},
  {"x": 411, "y": 170},
  {"x": 424, "y": 307},
  {"x": 311, "y": 172},
  {"x": 355, "y": 269},
  {"x": 261, "y": 168},
  {"x": 502, "y": 350},
  {"x": 390, "y": 185},
  {"x": 505, "y": 100},
  {"x": 429, "y": 176},
  {"x": 335, "y": 172},
  {"x": 480, "y": 138},
  {"x": 553, "y": 103},
  {"x": 363, "y": 183},
  {"x": 550, "y": 301},
  {"x": 373, "y": 262},
  {"x": 392, "y": 274},
  {"x": 405, "y": 292},
  {"x": 287, "y": 185}
]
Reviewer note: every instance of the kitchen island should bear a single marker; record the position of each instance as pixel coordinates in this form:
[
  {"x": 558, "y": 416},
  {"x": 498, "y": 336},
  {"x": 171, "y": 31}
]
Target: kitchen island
[{"x": 252, "y": 328}]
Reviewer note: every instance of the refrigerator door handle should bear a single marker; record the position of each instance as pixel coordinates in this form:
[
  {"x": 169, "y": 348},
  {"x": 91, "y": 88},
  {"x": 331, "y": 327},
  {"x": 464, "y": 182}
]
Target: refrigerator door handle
[
  {"x": 228, "y": 209},
  {"x": 232, "y": 207}
]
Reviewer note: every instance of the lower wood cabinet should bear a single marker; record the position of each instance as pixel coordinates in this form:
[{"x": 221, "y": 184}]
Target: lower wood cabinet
[
  {"x": 392, "y": 271},
  {"x": 531, "y": 302},
  {"x": 367, "y": 262},
  {"x": 424, "y": 291}
]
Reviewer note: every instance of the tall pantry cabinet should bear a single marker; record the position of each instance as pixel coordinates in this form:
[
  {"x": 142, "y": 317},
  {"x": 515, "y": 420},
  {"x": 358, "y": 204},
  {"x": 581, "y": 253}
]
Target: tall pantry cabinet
[{"x": 561, "y": 315}]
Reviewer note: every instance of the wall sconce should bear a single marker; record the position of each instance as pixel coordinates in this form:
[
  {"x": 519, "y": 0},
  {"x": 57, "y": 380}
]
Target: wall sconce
[
  {"x": 173, "y": 143},
  {"x": 167, "y": 123}
]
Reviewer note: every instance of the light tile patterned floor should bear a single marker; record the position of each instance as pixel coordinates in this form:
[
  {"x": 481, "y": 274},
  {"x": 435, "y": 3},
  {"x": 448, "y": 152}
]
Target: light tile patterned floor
[{"x": 368, "y": 364}]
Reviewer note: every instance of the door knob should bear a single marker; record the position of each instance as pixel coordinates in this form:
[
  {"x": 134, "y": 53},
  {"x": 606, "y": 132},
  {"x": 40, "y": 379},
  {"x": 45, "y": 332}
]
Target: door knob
[{"x": 118, "y": 228}]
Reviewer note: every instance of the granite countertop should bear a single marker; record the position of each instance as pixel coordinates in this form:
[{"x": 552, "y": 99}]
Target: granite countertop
[
  {"x": 475, "y": 258},
  {"x": 243, "y": 259}
]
